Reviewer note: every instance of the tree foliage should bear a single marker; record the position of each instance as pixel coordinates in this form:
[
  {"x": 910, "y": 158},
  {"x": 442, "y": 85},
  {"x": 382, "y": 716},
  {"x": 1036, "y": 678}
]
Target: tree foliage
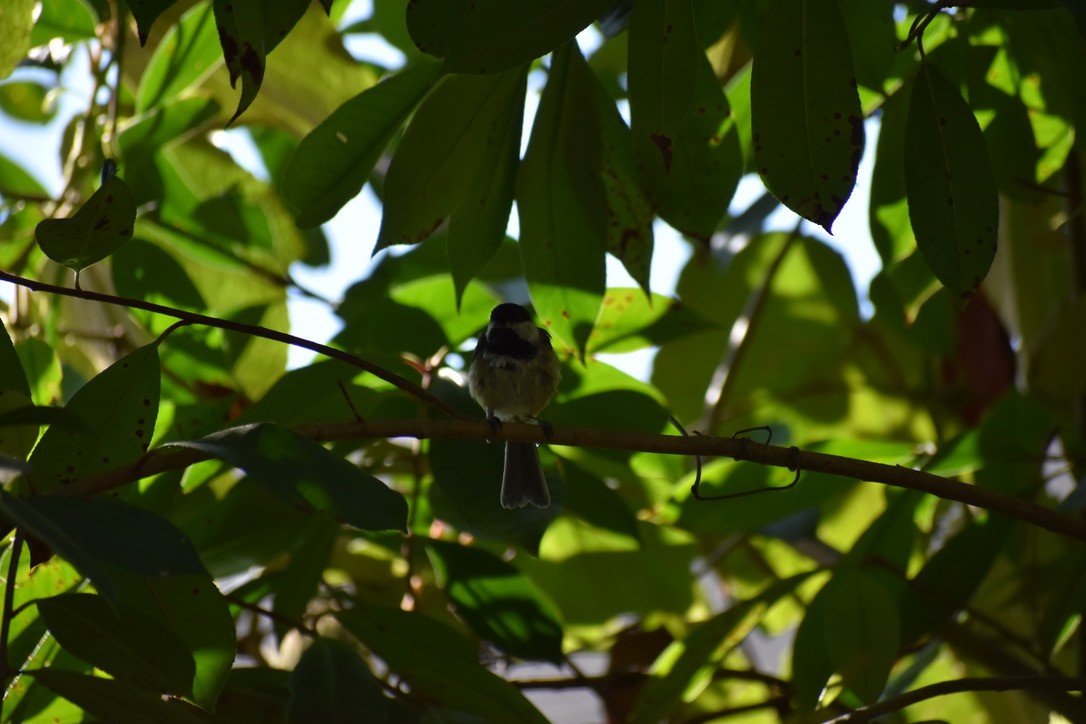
[{"x": 193, "y": 532}]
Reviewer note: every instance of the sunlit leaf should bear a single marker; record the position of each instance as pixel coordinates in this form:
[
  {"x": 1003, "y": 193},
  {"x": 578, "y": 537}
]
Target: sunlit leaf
[
  {"x": 16, "y": 22},
  {"x": 685, "y": 667},
  {"x": 807, "y": 123},
  {"x": 628, "y": 322},
  {"x": 184, "y": 55},
  {"x": 118, "y": 409},
  {"x": 27, "y": 101}
]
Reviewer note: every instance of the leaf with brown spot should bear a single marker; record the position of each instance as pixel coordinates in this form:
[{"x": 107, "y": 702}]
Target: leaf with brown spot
[
  {"x": 241, "y": 34},
  {"x": 663, "y": 70},
  {"x": 706, "y": 161},
  {"x": 630, "y": 213},
  {"x": 110, "y": 406},
  {"x": 806, "y": 115},
  {"x": 101, "y": 226}
]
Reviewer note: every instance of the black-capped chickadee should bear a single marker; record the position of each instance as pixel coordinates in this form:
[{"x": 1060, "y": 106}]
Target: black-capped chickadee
[{"x": 513, "y": 375}]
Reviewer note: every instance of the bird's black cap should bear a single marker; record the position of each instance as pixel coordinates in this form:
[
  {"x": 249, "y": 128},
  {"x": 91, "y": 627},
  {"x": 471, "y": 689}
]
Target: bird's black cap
[{"x": 509, "y": 314}]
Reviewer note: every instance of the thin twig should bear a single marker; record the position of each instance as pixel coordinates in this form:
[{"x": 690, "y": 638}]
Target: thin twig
[
  {"x": 995, "y": 683},
  {"x": 252, "y": 330},
  {"x": 274, "y": 616}
]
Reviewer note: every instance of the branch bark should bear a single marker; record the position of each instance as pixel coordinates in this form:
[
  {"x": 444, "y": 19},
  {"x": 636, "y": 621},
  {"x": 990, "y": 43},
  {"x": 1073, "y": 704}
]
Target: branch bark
[
  {"x": 997, "y": 683},
  {"x": 165, "y": 458},
  {"x": 252, "y": 330}
]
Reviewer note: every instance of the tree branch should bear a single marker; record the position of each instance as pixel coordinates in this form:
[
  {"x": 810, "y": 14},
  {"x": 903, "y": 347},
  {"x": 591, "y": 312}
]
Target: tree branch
[
  {"x": 252, "y": 330},
  {"x": 166, "y": 458},
  {"x": 998, "y": 683}
]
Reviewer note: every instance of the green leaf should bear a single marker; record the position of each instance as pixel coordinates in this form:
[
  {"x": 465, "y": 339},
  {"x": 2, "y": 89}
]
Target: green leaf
[
  {"x": 629, "y": 321},
  {"x": 42, "y": 367},
  {"x": 807, "y": 123},
  {"x": 888, "y": 213},
  {"x": 121, "y": 641},
  {"x": 561, "y": 203},
  {"x": 23, "y": 420},
  {"x": 497, "y": 601},
  {"x": 477, "y": 227},
  {"x": 630, "y": 213},
  {"x": 1055, "y": 370},
  {"x": 307, "y": 476},
  {"x": 71, "y": 20},
  {"x": 452, "y": 148},
  {"x": 431, "y": 23},
  {"x": 953, "y": 203},
  {"x": 11, "y": 369},
  {"x": 683, "y": 670},
  {"x": 95, "y": 535},
  {"x": 663, "y": 70},
  {"x": 192, "y": 607},
  {"x": 951, "y": 577},
  {"x": 589, "y": 498},
  {"x": 494, "y": 36},
  {"x": 593, "y": 577},
  {"x": 705, "y": 161},
  {"x": 467, "y": 481},
  {"x": 118, "y": 409},
  {"x": 27, "y": 101},
  {"x": 241, "y": 34},
  {"x": 114, "y": 700},
  {"x": 183, "y": 57},
  {"x": 146, "y": 12},
  {"x": 256, "y": 363},
  {"x": 16, "y": 23},
  {"x": 334, "y": 161},
  {"x": 850, "y": 628},
  {"x": 437, "y": 662},
  {"x": 17, "y": 181},
  {"x": 332, "y": 684},
  {"x": 162, "y": 123},
  {"x": 100, "y": 227},
  {"x": 862, "y": 630}
]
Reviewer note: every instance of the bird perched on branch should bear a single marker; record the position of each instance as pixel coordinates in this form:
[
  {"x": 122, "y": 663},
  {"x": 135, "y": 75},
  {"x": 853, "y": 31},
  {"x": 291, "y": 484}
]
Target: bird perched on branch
[{"x": 513, "y": 375}]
